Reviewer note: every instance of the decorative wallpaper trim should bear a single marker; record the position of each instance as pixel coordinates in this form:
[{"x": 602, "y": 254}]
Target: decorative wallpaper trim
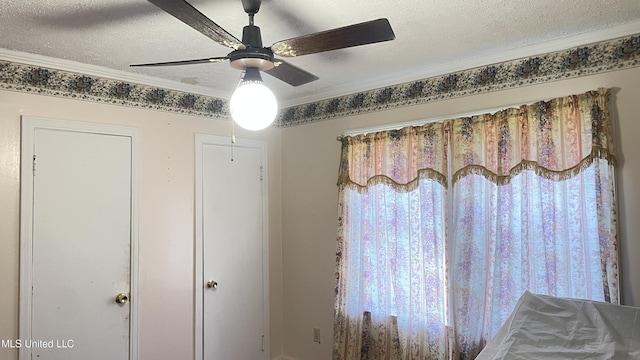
[
  {"x": 579, "y": 61},
  {"x": 48, "y": 81}
]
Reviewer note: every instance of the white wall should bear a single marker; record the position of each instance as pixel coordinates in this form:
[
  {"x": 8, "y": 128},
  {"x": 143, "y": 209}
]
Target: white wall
[
  {"x": 166, "y": 229},
  {"x": 310, "y": 158}
]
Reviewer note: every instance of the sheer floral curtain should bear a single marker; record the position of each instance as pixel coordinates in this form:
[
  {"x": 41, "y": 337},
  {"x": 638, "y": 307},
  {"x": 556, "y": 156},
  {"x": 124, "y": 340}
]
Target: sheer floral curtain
[
  {"x": 391, "y": 273},
  {"x": 533, "y": 209}
]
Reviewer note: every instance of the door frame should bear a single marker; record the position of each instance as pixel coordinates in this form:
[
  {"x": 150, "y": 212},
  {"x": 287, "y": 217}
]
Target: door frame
[
  {"x": 200, "y": 141},
  {"x": 29, "y": 125}
]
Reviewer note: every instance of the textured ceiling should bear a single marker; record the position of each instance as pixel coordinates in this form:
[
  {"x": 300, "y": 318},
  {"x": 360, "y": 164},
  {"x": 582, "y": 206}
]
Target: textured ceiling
[{"x": 432, "y": 37}]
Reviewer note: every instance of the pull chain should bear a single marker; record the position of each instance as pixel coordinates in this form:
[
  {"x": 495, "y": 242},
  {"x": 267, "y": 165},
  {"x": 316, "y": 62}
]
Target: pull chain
[
  {"x": 233, "y": 123},
  {"x": 233, "y": 136}
]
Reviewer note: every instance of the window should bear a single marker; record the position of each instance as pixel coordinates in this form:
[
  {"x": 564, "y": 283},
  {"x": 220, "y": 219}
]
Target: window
[{"x": 434, "y": 251}]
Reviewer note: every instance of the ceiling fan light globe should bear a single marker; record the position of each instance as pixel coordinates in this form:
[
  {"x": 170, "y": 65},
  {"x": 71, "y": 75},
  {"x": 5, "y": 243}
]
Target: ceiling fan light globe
[{"x": 253, "y": 106}]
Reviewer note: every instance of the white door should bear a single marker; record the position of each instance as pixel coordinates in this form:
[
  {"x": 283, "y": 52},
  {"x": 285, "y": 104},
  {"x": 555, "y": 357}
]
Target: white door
[
  {"x": 80, "y": 246},
  {"x": 234, "y": 251}
]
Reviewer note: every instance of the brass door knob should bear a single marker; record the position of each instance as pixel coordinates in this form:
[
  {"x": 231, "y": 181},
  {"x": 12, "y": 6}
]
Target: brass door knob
[
  {"x": 212, "y": 284},
  {"x": 122, "y": 298}
]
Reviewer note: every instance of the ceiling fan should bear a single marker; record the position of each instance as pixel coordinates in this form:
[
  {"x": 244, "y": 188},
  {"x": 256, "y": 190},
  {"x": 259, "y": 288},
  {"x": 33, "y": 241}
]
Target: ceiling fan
[
  {"x": 250, "y": 53},
  {"x": 250, "y": 56}
]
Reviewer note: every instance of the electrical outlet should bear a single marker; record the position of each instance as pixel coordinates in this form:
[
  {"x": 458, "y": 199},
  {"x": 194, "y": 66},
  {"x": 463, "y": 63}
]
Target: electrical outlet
[{"x": 316, "y": 335}]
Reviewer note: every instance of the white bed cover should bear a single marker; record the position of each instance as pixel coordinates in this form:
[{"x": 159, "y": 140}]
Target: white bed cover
[{"x": 546, "y": 327}]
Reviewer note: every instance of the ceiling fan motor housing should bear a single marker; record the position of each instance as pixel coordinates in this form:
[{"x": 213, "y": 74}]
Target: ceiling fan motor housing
[{"x": 254, "y": 54}]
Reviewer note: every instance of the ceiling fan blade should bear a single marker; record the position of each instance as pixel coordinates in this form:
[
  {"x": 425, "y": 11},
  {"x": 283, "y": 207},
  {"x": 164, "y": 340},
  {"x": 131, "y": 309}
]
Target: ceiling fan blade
[
  {"x": 189, "y": 15},
  {"x": 290, "y": 74},
  {"x": 353, "y": 35},
  {"x": 186, "y": 62}
]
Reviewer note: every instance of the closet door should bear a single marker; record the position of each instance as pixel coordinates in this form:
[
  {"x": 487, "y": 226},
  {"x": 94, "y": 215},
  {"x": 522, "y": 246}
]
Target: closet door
[
  {"x": 76, "y": 274},
  {"x": 233, "y": 250}
]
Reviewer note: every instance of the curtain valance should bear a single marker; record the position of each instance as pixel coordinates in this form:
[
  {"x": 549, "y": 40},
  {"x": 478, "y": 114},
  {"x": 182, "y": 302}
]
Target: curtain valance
[
  {"x": 557, "y": 139},
  {"x": 396, "y": 157}
]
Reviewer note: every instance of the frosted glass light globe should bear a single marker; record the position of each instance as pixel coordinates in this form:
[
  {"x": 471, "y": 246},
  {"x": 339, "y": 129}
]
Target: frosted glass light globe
[{"x": 253, "y": 105}]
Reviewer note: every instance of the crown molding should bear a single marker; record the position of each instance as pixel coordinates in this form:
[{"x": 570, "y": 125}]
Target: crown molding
[
  {"x": 431, "y": 70},
  {"x": 102, "y": 72},
  {"x": 44, "y": 79},
  {"x": 574, "y": 62}
]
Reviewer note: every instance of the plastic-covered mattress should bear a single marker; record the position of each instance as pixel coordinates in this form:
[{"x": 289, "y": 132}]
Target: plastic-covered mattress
[{"x": 546, "y": 327}]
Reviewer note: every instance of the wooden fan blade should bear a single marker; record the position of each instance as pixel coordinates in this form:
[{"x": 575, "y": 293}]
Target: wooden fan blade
[
  {"x": 353, "y": 35},
  {"x": 186, "y": 62},
  {"x": 189, "y": 15},
  {"x": 290, "y": 74}
]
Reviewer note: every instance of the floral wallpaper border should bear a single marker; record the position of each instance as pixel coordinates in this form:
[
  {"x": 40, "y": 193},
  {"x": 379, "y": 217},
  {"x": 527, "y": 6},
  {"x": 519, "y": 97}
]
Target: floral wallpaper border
[
  {"x": 46, "y": 81},
  {"x": 579, "y": 61}
]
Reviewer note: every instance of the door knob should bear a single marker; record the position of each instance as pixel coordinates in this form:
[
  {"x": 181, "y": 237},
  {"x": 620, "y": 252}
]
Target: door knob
[
  {"x": 212, "y": 284},
  {"x": 122, "y": 298}
]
